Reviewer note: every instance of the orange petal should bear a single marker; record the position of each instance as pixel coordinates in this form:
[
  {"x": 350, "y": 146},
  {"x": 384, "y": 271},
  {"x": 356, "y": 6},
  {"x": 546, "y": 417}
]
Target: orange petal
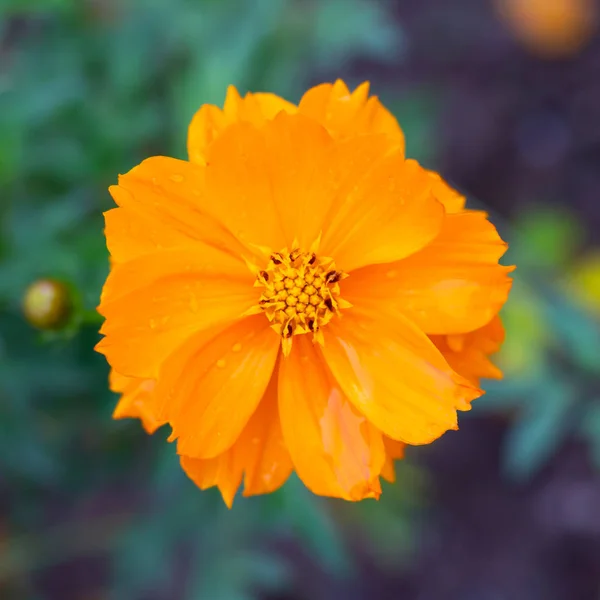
[
  {"x": 394, "y": 448},
  {"x": 274, "y": 185},
  {"x": 453, "y": 285},
  {"x": 318, "y": 102},
  {"x": 154, "y": 302},
  {"x": 335, "y": 450},
  {"x": 287, "y": 181},
  {"x": 210, "y": 121},
  {"x": 348, "y": 114},
  {"x": 271, "y": 104},
  {"x": 209, "y": 388},
  {"x": 267, "y": 460},
  {"x": 239, "y": 186},
  {"x": 453, "y": 201},
  {"x": 118, "y": 383},
  {"x": 135, "y": 400},
  {"x": 393, "y": 451},
  {"x": 205, "y": 126},
  {"x": 389, "y": 214},
  {"x": 468, "y": 354},
  {"x": 300, "y": 152},
  {"x": 388, "y": 471},
  {"x": 130, "y": 234},
  {"x": 259, "y": 453},
  {"x": 312, "y": 177},
  {"x": 255, "y": 108},
  {"x": 395, "y": 375},
  {"x": 224, "y": 471},
  {"x": 166, "y": 199}
]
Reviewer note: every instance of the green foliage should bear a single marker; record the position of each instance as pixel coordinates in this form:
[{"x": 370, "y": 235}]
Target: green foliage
[
  {"x": 416, "y": 110},
  {"x": 550, "y": 357},
  {"x": 540, "y": 428},
  {"x": 548, "y": 237},
  {"x": 590, "y": 429}
]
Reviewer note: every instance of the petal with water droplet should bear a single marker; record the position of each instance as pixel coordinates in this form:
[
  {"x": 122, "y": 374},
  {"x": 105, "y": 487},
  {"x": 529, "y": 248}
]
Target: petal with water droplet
[
  {"x": 395, "y": 375},
  {"x": 335, "y": 450},
  {"x": 147, "y": 309},
  {"x": 207, "y": 392}
]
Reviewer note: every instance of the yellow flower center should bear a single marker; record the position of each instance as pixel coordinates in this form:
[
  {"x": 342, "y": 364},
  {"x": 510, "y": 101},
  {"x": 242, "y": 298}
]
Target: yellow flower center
[{"x": 301, "y": 294}]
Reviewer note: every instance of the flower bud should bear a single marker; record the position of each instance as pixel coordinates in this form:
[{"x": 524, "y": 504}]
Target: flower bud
[{"x": 47, "y": 304}]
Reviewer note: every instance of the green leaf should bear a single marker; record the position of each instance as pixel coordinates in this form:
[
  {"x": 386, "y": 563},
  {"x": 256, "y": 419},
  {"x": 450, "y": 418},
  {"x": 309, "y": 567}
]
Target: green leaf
[
  {"x": 590, "y": 430},
  {"x": 344, "y": 27},
  {"x": 235, "y": 574},
  {"x": 545, "y": 421},
  {"x": 314, "y": 527},
  {"x": 578, "y": 333},
  {"x": 416, "y": 111},
  {"x": 547, "y": 237}
]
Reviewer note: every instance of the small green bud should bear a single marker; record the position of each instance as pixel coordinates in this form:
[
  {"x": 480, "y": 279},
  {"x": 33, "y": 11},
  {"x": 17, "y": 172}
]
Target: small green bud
[{"x": 47, "y": 304}]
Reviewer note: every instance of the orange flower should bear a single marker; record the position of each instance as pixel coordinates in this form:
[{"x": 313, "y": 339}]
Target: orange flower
[
  {"x": 550, "y": 27},
  {"x": 273, "y": 296}
]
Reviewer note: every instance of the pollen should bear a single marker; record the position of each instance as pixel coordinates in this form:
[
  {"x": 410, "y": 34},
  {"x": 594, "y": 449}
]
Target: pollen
[{"x": 301, "y": 294}]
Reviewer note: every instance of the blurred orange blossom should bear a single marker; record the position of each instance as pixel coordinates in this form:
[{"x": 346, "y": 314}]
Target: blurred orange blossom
[{"x": 550, "y": 28}]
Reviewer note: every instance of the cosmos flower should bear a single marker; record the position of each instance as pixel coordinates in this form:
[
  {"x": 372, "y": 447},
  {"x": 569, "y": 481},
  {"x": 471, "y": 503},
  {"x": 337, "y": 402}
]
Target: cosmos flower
[{"x": 298, "y": 295}]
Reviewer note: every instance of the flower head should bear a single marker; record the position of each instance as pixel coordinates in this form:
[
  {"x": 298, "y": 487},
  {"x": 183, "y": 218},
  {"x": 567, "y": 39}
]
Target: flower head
[{"x": 298, "y": 295}]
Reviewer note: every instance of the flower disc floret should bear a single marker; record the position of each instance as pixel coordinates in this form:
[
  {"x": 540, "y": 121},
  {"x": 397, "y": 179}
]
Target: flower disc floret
[{"x": 301, "y": 294}]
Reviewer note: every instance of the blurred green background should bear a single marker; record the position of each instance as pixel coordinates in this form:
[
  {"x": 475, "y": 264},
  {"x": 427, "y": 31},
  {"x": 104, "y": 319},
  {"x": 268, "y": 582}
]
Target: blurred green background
[{"x": 507, "y": 508}]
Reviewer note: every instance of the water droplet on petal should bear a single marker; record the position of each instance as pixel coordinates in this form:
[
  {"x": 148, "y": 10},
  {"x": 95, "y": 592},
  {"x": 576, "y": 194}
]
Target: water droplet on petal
[
  {"x": 176, "y": 178},
  {"x": 221, "y": 363},
  {"x": 152, "y": 324},
  {"x": 237, "y": 347}
]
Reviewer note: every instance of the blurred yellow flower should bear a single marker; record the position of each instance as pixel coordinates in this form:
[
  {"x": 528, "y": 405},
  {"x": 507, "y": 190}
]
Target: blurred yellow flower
[
  {"x": 584, "y": 281},
  {"x": 298, "y": 295},
  {"x": 523, "y": 353}
]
